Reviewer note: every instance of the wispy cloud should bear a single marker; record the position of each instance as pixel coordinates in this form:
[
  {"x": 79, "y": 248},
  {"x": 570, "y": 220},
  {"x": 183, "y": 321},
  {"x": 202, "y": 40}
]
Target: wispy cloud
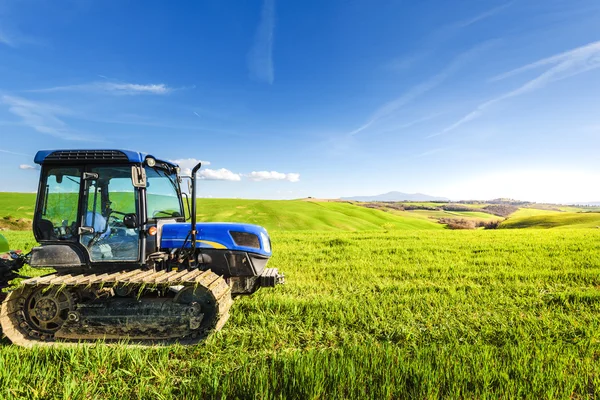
[
  {"x": 15, "y": 153},
  {"x": 11, "y": 36},
  {"x": 114, "y": 88},
  {"x": 44, "y": 118},
  {"x": 273, "y": 176},
  {"x": 564, "y": 65},
  {"x": 435, "y": 39},
  {"x": 392, "y": 107},
  {"x": 483, "y": 15},
  {"x": 7, "y": 40},
  {"x": 583, "y": 52},
  {"x": 28, "y": 167},
  {"x": 405, "y": 125},
  {"x": 260, "y": 57}
]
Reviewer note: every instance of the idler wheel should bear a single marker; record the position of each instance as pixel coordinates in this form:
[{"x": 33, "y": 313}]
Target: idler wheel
[
  {"x": 46, "y": 309},
  {"x": 200, "y": 300}
]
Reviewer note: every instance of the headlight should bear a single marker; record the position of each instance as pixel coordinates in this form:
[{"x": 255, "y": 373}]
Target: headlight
[{"x": 245, "y": 239}]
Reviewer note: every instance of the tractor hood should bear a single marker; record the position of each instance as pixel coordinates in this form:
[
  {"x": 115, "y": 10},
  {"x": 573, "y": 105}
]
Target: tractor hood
[{"x": 218, "y": 235}]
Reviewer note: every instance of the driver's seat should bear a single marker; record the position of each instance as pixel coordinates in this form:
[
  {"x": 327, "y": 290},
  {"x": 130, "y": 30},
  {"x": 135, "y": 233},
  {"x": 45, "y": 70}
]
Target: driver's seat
[
  {"x": 98, "y": 222},
  {"x": 46, "y": 230}
]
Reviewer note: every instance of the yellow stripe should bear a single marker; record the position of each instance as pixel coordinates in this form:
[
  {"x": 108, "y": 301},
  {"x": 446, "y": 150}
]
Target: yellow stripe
[{"x": 214, "y": 245}]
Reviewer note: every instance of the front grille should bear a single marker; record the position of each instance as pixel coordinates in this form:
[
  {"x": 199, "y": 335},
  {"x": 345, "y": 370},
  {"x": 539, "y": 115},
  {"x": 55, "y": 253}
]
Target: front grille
[
  {"x": 245, "y": 239},
  {"x": 65, "y": 156}
]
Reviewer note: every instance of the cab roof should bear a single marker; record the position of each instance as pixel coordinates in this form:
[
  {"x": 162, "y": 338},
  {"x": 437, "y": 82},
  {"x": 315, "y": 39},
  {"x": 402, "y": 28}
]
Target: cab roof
[{"x": 92, "y": 156}]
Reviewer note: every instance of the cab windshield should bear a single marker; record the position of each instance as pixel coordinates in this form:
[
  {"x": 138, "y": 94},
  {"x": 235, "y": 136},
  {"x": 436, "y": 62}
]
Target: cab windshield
[{"x": 162, "y": 194}]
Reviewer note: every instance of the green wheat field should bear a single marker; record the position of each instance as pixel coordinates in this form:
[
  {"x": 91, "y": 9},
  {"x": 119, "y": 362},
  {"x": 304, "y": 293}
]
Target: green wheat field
[{"x": 376, "y": 305}]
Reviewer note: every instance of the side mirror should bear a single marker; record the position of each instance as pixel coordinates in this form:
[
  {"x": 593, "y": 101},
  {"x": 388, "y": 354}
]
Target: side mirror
[
  {"x": 130, "y": 221},
  {"x": 138, "y": 176}
]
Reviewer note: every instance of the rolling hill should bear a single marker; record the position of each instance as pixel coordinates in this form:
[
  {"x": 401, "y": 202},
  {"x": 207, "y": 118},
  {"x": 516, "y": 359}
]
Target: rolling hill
[
  {"x": 554, "y": 220},
  {"x": 16, "y": 212},
  {"x": 272, "y": 214},
  {"x": 306, "y": 215}
]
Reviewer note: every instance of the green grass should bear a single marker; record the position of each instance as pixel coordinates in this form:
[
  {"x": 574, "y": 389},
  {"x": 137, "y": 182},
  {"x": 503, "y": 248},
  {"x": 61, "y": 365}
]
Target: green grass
[
  {"x": 272, "y": 214},
  {"x": 17, "y": 205},
  {"x": 402, "y": 314},
  {"x": 556, "y": 220},
  {"x": 531, "y": 212},
  {"x": 300, "y": 215},
  {"x": 306, "y": 215}
]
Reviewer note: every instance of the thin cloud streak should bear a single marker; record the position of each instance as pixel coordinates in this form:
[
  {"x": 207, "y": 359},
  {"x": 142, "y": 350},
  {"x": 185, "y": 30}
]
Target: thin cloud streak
[
  {"x": 412, "y": 123},
  {"x": 484, "y": 15},
  {"x": 44, "y": 118},
  {"x": 390, "y": 108},
  {"x": 115, "y": 88},
  {"x": 568, "y": 64},
  {"x": 15, "y": 153},
  {"x": 5, "y": 39},
  {"x": 582, "y": 51},
  {"x": 260, "y": 57}
]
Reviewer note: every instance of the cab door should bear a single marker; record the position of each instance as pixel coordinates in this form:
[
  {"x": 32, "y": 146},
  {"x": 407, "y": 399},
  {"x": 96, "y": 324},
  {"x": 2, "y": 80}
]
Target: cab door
[{"x": 109, "y": 200}]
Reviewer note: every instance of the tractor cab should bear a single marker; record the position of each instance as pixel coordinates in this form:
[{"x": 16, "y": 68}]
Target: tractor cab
[{"x": 94, "y": 207}]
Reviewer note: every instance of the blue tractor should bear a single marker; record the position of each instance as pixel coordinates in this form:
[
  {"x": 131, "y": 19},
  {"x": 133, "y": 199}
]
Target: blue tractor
[{"x": 129, "y": 264}]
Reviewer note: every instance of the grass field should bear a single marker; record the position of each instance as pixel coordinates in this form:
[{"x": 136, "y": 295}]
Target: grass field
[
  {"x": 272, "y": 214},
  {"x": 402, "y": 314},
  {"x": 306, "y": 215},
  {"x": 16, "y": 212},
  {"x": 377, "y": 304},
  {"x": 532, "y": 212},
  {"x": 562, "y": 220}
]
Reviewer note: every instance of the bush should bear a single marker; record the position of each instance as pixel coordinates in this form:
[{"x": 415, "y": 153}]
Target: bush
[
  {"x": 455, "y": 223},
  {"x": 490, "y": 224},
  {"x": 456, "y": 207},
  {"x": 409, "y": 207},
  {"x": 501, "y": 210}
]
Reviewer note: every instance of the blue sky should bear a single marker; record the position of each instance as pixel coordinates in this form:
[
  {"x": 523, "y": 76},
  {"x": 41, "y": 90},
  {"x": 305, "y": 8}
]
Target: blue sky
[{"x": 328, "y": 98}]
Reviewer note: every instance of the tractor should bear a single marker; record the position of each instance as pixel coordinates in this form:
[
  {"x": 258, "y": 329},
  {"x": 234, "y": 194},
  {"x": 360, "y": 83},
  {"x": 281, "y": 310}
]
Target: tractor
[{"x": 130, "y": 266}]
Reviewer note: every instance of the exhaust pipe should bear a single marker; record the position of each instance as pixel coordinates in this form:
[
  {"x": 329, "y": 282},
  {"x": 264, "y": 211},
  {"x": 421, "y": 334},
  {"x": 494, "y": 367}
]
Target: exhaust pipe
[{"x": 193, "y": 230}]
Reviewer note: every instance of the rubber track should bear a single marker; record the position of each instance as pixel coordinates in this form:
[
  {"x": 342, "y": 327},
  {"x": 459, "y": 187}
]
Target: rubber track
[{"x": 19, "y": 336}]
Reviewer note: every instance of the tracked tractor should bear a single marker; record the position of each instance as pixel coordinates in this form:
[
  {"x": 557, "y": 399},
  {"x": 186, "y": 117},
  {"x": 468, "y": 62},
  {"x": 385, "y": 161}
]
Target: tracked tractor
[{"x": 129, "y": 264}]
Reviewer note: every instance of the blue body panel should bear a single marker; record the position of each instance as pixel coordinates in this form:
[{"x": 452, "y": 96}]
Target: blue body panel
[
  {"x": 133, "y": 156},
  {"x": 214, "y": 235}
]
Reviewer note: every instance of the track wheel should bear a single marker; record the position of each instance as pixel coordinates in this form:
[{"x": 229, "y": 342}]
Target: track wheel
[
  {"x": 200, "y": 297},
  {"x": 46, "y": 310}
]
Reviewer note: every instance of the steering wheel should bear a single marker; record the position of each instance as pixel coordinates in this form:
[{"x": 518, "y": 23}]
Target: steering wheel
[
  {"x": 117, "y": 212},
  {"x": 117, "y": 220}
]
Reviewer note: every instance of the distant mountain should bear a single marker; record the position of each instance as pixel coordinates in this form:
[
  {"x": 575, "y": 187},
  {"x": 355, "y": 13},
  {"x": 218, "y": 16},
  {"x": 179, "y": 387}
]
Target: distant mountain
[
  {"x": 586, "y": 203},
  {"x": 396, "y": 196}
]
